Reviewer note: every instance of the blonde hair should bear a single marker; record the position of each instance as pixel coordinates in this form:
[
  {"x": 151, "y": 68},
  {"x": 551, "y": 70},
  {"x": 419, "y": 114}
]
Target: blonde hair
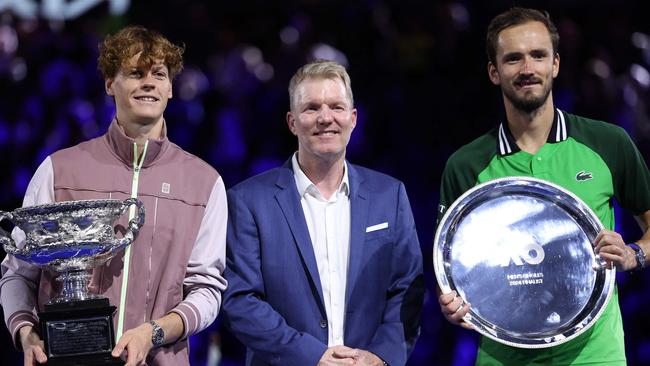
[{"x": 320, "y": 69}]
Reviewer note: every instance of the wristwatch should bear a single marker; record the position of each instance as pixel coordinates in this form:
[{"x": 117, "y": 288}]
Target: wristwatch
[
  {"x": 640, "y": 256},
  {"x": 158, "y": 334}
]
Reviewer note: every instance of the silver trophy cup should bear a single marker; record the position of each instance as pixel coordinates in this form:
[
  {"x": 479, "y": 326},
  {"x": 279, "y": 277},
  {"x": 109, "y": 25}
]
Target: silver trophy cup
[{"x": 70, "y": 238}]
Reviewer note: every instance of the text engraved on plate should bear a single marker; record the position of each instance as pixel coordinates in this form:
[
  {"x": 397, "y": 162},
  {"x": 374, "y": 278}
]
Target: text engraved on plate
[{"x": 77, "y": 337}]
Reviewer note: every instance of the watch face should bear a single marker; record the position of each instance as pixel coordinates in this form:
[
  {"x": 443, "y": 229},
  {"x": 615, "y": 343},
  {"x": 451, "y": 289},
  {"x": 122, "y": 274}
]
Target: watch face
[
  {"x": 520, "y": 251},
  {"x": 640, "y": 258},
  {"x": 158, "y": 335}
]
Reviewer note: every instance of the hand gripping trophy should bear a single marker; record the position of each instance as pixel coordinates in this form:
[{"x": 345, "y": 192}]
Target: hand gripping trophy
[{"x": 71, "y": 238}]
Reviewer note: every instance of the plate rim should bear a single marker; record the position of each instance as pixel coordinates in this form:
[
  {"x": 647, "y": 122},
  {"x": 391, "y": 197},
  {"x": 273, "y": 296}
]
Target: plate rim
[{"x": 445, "y": 287}]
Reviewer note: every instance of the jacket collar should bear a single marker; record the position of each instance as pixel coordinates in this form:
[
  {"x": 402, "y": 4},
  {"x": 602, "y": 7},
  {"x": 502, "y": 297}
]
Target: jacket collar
[
  {"x": 122, "y": 145},
  {"x": 286, "y": 178}
]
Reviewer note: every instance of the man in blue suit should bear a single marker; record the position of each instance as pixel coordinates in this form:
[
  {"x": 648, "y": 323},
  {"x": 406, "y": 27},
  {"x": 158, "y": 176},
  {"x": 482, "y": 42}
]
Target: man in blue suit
[{"x": 324, "y": 265}]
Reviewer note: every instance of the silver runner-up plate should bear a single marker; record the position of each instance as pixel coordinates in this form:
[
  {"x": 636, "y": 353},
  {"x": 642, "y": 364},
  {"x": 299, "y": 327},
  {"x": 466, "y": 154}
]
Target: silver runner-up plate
[{"x": 520, "y": 251}]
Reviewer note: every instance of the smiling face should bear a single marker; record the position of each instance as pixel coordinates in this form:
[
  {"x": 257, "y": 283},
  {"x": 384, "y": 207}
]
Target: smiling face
[
  {"x": 322, "y": 117},
  {"x": 525, "y": 66},
  {"x": 140, "y": 92}
]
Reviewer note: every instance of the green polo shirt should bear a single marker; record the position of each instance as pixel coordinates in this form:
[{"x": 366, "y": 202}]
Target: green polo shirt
[{"x": 595, "y": 160}]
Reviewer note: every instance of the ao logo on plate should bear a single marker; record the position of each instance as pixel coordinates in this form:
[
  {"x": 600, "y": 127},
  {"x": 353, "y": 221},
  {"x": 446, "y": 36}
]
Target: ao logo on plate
[{"x": 531, "y": 253}]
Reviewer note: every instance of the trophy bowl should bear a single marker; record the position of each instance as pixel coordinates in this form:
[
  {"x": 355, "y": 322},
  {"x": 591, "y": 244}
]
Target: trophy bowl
[
  {"x": 520, "y": 251},
  {"x": 71, "y": 237}
]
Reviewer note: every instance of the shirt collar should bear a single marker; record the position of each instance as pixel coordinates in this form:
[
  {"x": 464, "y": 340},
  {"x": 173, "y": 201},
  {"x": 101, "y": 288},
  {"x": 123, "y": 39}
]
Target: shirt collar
[
  {"x": 305, "y": 185},
  {"x": 506, "y": 144}
]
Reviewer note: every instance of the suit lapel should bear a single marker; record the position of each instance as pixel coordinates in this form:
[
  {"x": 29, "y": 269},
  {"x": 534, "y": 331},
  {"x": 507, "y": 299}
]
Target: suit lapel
[
  {"x": 359, "y": 206},
  {"x": 289, "y": 201}
]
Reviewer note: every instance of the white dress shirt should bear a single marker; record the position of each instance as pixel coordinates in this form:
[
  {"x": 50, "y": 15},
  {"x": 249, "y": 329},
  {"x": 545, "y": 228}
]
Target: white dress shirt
[{"x": 328, "y": 221}]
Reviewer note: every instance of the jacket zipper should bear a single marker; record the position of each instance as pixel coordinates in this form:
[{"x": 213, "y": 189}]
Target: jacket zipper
[{"x": 137, "y": 166}]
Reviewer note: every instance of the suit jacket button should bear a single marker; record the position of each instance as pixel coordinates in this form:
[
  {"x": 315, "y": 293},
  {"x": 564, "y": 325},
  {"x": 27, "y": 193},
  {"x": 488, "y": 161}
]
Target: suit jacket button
[{"x": 323, "y": 323}]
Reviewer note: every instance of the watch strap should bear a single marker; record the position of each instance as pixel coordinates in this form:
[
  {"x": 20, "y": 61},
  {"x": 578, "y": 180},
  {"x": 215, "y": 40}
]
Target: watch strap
[
  {"x": 639, "y": 254},
  {"x": 157, "y": 335}
]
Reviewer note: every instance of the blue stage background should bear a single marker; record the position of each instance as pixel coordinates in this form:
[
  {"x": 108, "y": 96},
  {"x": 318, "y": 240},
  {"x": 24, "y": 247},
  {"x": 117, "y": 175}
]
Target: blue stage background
[{"x": 419, "y": 77}]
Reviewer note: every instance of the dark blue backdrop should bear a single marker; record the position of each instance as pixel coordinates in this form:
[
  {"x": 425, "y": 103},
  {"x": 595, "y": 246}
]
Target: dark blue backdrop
[{"x": 419, "y": 76}]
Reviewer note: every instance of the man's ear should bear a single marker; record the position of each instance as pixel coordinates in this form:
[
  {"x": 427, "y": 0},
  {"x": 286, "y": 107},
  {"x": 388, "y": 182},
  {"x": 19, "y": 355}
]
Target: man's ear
[
  {"x": 108, "y": 85},
  {"x": 291, "y": 122},
  {"x": 493, "y": 73}
]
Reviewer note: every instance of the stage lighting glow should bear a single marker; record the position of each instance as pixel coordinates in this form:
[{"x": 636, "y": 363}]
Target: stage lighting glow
[
  {"x": 289, "y": 35},
  {"x": 641, "y": 75}
]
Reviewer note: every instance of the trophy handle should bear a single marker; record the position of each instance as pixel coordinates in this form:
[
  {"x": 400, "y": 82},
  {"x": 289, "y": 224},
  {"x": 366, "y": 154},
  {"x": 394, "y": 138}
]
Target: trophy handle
[
  {"x": 5, "y": 237},
  {"x": 134, "y": 224}
]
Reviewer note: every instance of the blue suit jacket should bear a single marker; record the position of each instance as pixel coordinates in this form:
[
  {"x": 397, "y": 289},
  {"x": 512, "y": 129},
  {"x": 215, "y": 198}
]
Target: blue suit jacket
[{"x": 274, "y": 301}]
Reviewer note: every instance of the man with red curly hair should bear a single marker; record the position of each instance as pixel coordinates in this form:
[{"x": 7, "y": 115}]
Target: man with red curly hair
[{"x": 168, "y": 284}]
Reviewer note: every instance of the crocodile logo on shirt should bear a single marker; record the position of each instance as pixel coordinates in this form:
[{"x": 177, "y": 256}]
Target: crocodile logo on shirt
[{"x": 582, "y": 176}]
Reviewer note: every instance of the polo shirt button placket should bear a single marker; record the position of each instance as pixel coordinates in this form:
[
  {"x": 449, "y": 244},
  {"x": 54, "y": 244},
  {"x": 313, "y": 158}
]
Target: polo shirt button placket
[
  {"x": 536, "y": 167},
  {"x": 323, "y": 323}
]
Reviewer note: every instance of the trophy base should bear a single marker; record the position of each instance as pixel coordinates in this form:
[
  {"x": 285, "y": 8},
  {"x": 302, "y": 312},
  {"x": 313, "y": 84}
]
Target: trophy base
[
  {"x": 79, "y": 333},
  {"x": 86, "y": 361}
]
